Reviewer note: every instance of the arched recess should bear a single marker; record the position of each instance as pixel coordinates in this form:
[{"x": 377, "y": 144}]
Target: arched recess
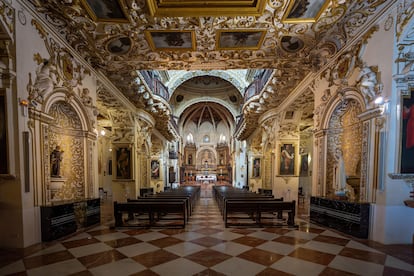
[
  {"x": 63, "y": 121},
  {"x": 230, "y": 76},
  {"x": 206, "y": 158},
  {"x": 346, "y": 125}
]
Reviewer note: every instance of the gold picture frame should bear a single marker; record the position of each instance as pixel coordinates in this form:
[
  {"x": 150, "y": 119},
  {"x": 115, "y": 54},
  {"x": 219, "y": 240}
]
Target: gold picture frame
[
  {"x": 155, "y": 169},
  {"x": 406, "y": 160},
  {"x": 123, "y": 166},
  {"x": 167, "y": 40},
  {"x": 112, "y": 11},
  {"x": 299, "y": 11},
  {"x": 201, "y": 8},
  {"x": 256, "y": 173},
  {"x": 239, "y": 39},
  {"x": 287, "y": 165}
]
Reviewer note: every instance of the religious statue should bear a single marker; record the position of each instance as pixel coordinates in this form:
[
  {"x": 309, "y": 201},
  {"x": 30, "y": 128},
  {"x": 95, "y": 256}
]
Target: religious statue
[
  {"x": 123, "y": 164},
  {"x": 45, "y": 79},
  {"x": 368, "y": 83},
  {"x": 55, "y": 159},
  {"x": 339, "y": 172}
]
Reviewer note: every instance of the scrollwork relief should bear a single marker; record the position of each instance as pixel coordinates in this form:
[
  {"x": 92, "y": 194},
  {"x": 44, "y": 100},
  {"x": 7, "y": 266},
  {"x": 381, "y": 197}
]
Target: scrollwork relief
[{"x": 7, "y": 16}]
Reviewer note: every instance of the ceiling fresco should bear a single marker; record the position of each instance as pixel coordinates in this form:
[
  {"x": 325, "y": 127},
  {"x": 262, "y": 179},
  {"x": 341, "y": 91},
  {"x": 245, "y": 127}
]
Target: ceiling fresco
[{"x": 119, "y": 38}]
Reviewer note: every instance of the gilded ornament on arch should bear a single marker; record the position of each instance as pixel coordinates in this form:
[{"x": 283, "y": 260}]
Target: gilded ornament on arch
[
  {"x": 389, "y": 23},
  {"x": 67, "y": 67}
]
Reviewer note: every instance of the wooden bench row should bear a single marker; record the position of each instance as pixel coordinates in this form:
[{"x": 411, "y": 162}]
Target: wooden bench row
[
  {"x": 244, "y": 208},
  {"x": 167, "y": 209},
  {"x": 259, "y": 213}
]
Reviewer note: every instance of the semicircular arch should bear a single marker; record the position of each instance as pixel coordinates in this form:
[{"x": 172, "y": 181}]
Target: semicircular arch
[{"x": 233, "y": 78}]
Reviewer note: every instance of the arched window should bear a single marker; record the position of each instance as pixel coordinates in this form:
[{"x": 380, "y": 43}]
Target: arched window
[{"x": 190, "y": 138}]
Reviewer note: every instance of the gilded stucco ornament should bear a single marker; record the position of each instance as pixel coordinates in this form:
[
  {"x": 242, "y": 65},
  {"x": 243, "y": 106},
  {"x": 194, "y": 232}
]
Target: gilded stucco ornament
[
  {"x": 7, "y": 16},
  {"x": 342, "y": 20},
  {"x": 404, "y": 14}
]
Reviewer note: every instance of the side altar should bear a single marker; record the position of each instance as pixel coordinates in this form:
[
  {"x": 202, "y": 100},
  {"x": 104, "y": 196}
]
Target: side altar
[{"x": 65, "y": 217}]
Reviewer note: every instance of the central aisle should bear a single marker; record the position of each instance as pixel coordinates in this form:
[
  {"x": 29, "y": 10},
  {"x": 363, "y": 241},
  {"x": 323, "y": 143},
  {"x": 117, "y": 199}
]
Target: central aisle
[{"x": 205, "y": 247}]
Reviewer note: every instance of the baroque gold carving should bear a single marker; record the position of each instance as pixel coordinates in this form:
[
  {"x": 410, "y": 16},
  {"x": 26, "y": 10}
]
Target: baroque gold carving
[
  {"x": 342, "y": 21},
  {"x": 7, "y": 16},
  {"x": 67, "y": 134}
]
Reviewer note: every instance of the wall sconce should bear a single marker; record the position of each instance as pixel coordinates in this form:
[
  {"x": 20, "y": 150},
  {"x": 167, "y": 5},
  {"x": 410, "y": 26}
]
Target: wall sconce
[
  {"x": 103, "y": 132},
  {"x": 24, "y": 104}
]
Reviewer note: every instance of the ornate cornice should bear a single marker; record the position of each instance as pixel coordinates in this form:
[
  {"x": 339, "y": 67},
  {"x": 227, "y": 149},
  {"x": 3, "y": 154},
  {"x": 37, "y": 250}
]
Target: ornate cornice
[{"x": 370, "y": 114}]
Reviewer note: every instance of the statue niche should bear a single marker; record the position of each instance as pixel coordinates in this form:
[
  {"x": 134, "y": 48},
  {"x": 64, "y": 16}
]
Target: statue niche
[
  {"x": 344, "y": 151},
  {"x": 67, "y": 179}
]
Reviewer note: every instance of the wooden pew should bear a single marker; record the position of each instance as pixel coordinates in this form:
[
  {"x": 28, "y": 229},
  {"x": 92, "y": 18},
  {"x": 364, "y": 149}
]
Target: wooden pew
[
  {"x": 223, "y": 193},
  {"x": 154, "y": 198},
  {"x": 123, "y": 211},
  {"x": 257, "y": 208}
]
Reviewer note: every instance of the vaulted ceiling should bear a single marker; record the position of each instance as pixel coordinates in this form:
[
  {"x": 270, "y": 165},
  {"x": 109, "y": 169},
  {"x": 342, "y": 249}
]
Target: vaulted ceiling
[{"x": 294, "y": 38}]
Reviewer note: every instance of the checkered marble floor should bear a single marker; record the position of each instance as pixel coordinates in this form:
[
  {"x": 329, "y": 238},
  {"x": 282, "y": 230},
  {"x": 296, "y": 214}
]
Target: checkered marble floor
[{"x": 205, "y": 247}]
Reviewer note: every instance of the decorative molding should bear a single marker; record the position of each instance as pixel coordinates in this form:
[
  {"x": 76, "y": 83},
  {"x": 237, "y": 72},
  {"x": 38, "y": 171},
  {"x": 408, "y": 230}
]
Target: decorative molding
[
  {"x": 366, "y": 141},
  {"x": 370, "y": 114},
  {"x": 402, "y": 176},
  {"x": 7, "y": 17}
]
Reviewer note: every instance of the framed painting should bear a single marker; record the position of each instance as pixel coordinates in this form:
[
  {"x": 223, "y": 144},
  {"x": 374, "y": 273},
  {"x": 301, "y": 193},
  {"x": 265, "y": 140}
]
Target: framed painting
[
  {"x": 171, "y": 40},
  {"x": 4, "y": 159},
  {"x": 302, "y": 11},
  {"x": 123, "y": 163},
  {"x": 256, "y": 167},
  {"x": 155, "y": 169},
  {"x": 287, "y": 159},
  {"x": 407, "y": 133},
  {"x": 105, "y": 10},
  {"x": 239, "y": 39}
]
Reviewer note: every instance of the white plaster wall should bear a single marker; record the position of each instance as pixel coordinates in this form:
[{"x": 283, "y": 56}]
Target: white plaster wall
[
  {"x": 286, "y": 187},
  {"x": 390, "y": 223},
  {"x": 387, "y": 226},
  {"x": 28, "y": 43}
]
